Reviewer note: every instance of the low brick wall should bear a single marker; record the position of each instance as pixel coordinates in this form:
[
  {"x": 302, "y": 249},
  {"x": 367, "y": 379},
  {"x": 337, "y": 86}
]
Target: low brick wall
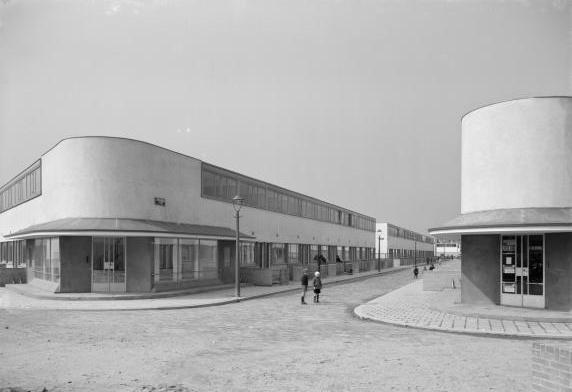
[
  {"x": 12, "y": 275},
  {"x": 551, "y": 367},
  {"x": 257, "y": 276}
]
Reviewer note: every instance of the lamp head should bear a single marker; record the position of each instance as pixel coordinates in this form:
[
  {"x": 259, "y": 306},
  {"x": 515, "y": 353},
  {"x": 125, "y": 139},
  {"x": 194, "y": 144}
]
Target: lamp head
[{"x": 237, "y": 203}]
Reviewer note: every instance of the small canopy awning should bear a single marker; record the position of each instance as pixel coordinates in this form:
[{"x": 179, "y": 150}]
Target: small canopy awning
[
  {"x": 124, "y": 227},
  {"x": 514, "y": 220}
]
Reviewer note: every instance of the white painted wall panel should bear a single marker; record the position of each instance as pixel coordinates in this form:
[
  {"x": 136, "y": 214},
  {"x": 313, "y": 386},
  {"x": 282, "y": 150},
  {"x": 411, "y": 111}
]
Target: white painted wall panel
[
  {"x": 517, "y": 154},
  {"x": 119, "y": 178}
]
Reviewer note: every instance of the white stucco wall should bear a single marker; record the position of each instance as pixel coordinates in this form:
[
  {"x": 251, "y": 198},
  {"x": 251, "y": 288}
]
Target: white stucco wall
[
  {"x": 119, "y": 178},
  {"x": 517, "y": 154},
  {"x": 390, "y": 242}
]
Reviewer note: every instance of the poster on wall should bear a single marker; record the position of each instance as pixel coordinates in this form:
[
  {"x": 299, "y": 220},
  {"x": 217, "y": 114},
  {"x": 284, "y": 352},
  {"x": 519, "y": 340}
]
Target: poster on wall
[
  {"x": 508, "y": 288},
  {"x": 508, "y": 260}
]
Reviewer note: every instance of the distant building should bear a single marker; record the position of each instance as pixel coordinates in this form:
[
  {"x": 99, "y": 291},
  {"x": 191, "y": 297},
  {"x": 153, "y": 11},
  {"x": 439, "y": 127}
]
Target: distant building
[
  {"x": 516, "y": 204},
  {"x": 447, "y": 249},
  {"x": 103, "y": 214},
  {"x": 396, "y": 242}
]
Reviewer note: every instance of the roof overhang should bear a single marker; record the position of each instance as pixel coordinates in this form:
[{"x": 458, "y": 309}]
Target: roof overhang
[
  {"x": 512, "y": 220},
  {"x": 124, "y": 227}
]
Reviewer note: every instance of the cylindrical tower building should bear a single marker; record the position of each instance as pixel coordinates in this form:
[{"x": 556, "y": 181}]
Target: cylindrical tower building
[{"x": 516, "y": 204}]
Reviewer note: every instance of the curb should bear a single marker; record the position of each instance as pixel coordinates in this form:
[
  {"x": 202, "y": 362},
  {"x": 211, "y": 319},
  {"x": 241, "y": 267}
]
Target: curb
[
  {"x": 173, "y": 294},
  {"x": 497, "y": 317},
  {"x": 502, "y": 335},
  {"x": 206, "y": 304}
]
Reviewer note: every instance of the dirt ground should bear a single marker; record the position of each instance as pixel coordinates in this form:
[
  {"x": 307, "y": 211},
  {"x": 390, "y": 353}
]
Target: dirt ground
[{"x": 259, "y": 345}]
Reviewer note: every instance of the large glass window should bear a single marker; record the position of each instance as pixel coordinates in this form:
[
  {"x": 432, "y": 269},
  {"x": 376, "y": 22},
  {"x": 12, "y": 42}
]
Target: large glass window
[
  {"x": 223, "y": 185},
  {"x": 324, "y": 253},
  {"x": 314, "y": 252},
  {"x": 304, "y": 253},
  {"x": 23, "y": 188},
  {"x": 189, "y": 252},
  {"x": 535, "y": 265},
  {"x": 522, "y": 264},
  {"x": 293, "y": 254},
  {"x": 208, "y": 261},
  {"x": 277, "y": 254},
  {"x": 46, "y": 265},
  {"x": 108, "y": 268},
  {"x": 246, "y": 253},
  {"x": 209, "y": 187},
  {"x": 340, "y": 252},
  {"x": 347, "y": 253},
  {"x": 165, "y": 257},
  {"x": 55, "y": 258},
  {"x": 45, "y": 259},
  {"x": 260, "y": 254}
]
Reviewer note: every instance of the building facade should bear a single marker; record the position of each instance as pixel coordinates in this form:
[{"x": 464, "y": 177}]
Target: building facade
[
  {"x": 516, "y": 204},
  {"x": 104, "y": 214},
  {"x": 447, "y": 249},
  {"x": 401, "y": 244}
]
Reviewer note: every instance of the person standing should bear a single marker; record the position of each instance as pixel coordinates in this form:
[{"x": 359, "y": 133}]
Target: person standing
[
  {"x": 416, "y": 272},
  {"x": 304, "y": 281},
  {"x": 317, "y": 287}
]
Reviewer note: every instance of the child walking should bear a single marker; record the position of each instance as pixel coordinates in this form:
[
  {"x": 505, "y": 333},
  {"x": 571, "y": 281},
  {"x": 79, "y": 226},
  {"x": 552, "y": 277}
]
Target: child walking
[
  {"x": 304, "y": 281},
  {"x": 317, "y": 286}
]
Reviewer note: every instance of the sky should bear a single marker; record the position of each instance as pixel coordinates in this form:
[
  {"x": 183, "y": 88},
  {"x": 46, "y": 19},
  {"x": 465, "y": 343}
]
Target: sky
[{"x": 355, "y": 102}]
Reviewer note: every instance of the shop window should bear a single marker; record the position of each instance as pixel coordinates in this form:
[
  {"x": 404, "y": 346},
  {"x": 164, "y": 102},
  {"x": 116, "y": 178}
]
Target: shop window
[
  {"x": 189, "y": 253},
  {"x": 293, "y": 254},
  {"x": 208, "y": 262},
  {"x": 277, "y": 254},
  {"x": 247, "y": 253},
  {"x": 165, "y": 249}
]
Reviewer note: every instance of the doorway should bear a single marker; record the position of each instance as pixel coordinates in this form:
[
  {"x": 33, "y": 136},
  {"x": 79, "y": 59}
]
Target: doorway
[
  {"x": 108, "y": 265},
  {"x": 226, "y": 261},
  {"x": 522, "y": 270}
]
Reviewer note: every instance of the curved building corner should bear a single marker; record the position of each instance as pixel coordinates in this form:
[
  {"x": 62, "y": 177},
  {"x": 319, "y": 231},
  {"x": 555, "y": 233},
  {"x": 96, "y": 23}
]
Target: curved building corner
[
  {"x": 106, "y": 214},
  {"x": 516, "y": 204}
]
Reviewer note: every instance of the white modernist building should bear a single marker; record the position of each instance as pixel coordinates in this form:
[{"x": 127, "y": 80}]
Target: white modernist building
[
  {"x": 114, "y": 214},
  {"x": 448, "y": 249},
  {"x": 396, "y": 242},
  {"x": 516, "y": 204}
]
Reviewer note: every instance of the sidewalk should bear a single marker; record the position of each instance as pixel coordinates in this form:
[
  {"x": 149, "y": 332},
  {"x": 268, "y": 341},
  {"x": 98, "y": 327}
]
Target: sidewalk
[
  {"x": 410, "y": 306},
  {"x": 29, "y": 297}
]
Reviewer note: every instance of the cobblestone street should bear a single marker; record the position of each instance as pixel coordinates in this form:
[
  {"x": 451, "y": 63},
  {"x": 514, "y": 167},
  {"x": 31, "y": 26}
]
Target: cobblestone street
[{"x": 272, "y": 343}]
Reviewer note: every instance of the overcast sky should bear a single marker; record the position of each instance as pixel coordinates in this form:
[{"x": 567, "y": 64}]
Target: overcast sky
[{"x": 355, "y": 102}]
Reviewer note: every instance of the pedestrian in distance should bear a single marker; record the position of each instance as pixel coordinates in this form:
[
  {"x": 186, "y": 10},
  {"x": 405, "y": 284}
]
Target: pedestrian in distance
[
  {"x": 317, "y": 287},
  {"x": 304, "y": 281},
  {"x": 415, "y": 272}
]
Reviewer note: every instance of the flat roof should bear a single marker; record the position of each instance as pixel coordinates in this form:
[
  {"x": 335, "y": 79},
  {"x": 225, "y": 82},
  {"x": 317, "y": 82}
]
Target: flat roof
[
  {"x": 124, "y": 226},
  {"x": 509, "y": 220}
]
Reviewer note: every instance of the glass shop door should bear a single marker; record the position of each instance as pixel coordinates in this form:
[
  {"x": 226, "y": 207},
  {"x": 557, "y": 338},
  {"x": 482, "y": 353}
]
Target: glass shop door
[
  {"x": 522, "y": 270},
  {"x": 108, "y": 269}
]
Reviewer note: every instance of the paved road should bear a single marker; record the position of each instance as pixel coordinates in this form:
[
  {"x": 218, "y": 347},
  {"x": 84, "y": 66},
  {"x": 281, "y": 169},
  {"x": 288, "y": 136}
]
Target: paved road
[{"x": 266, "y": 344}]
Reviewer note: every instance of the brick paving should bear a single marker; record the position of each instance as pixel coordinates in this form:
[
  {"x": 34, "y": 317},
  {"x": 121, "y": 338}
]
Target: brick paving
[{"x": 410, "y": 306}]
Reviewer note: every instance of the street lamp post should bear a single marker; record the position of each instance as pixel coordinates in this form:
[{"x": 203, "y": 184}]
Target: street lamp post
[
  {"x": 237, "y": 202},
  {"x": 379, "y": 238}
]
